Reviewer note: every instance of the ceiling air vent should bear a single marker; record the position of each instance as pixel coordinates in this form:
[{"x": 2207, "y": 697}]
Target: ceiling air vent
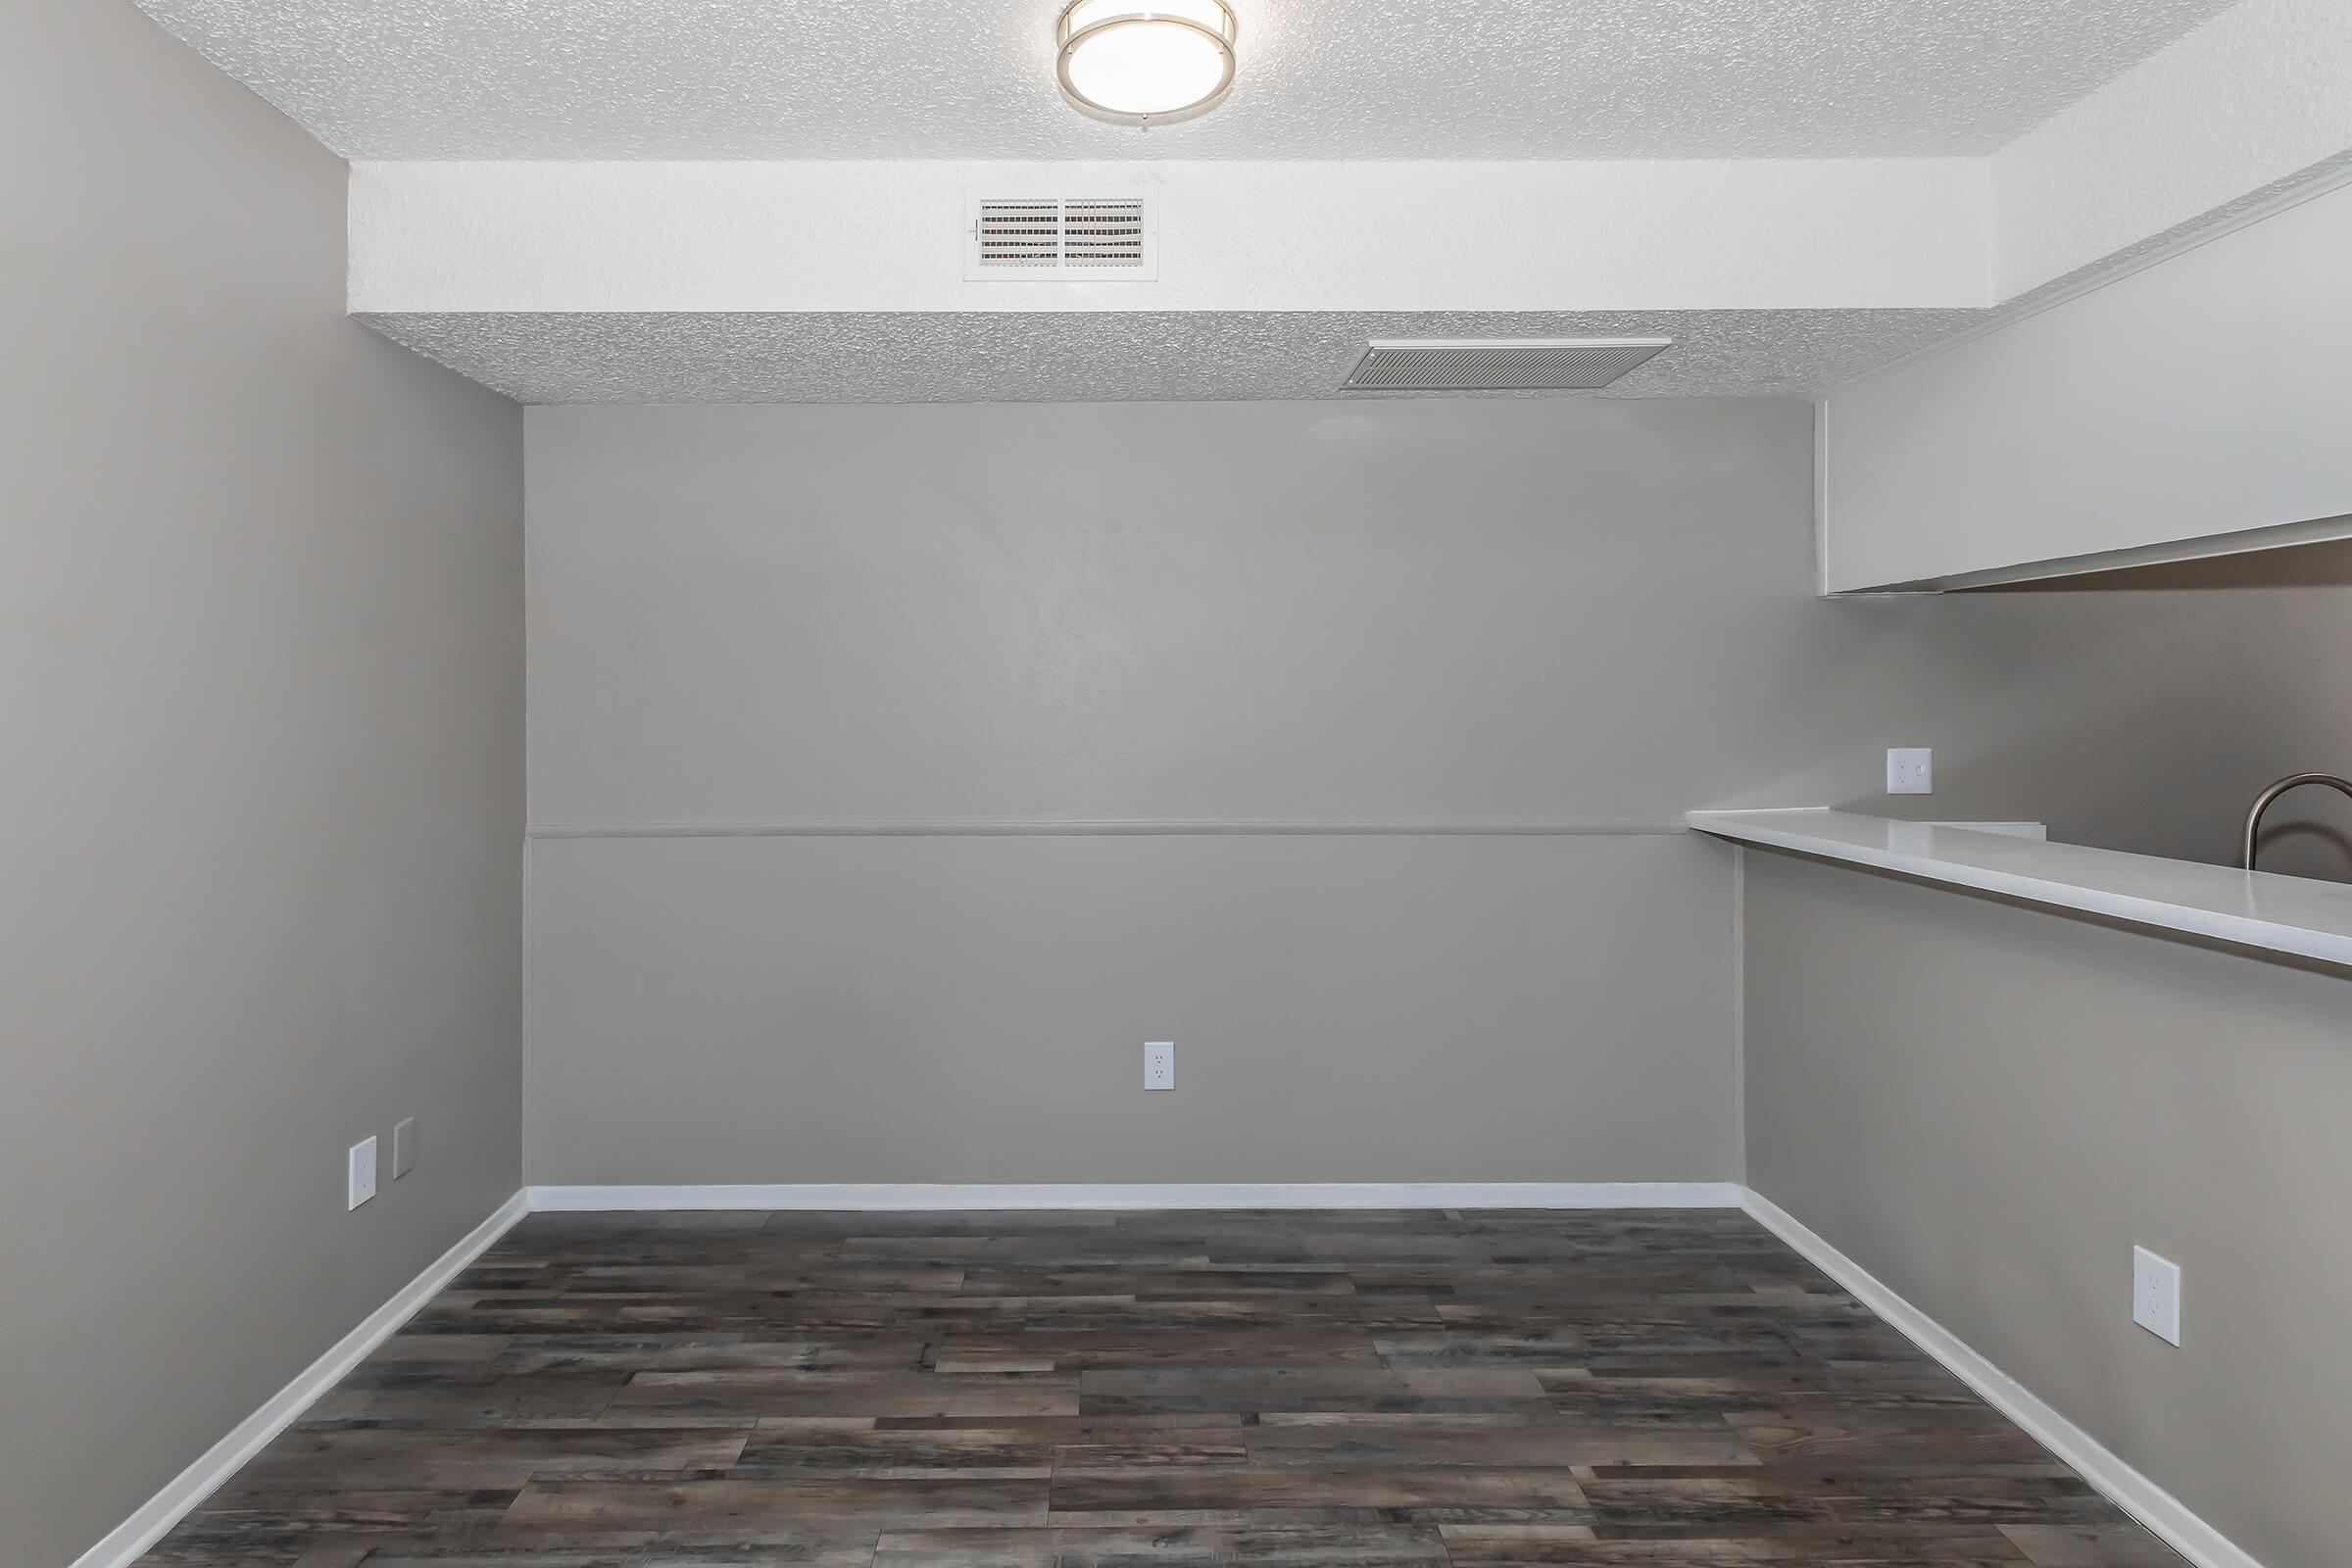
[
  {"x": 1105, "y": 235},
  {"x": 1500, "y": 364}
]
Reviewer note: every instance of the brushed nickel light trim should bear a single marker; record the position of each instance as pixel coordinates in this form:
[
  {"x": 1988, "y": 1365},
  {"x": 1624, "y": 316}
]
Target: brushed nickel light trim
[
  {"x": 1500, "y": 364},
  {"x": 1205, "y": 29}
]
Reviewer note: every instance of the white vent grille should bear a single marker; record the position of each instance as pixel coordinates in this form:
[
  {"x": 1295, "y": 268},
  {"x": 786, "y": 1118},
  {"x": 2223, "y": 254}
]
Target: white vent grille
[
  {"x": 1103, "y": 235},
  {"x": 1103, "y": 232},
  {"x": 1500, "y": 364},
  {"x": 1019, "y": 235}
]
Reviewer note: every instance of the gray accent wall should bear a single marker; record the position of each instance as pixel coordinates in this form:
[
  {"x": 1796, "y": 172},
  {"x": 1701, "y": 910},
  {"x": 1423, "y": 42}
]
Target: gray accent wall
[
  {"x": 261, "y": 662},
  {"x": 1988, "y": 1105},
  {"x": 770, "y": 644}
]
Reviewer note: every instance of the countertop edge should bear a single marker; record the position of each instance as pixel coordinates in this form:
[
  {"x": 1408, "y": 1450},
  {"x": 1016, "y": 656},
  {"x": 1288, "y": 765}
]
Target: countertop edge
[{"x": 1847, "y": 838}]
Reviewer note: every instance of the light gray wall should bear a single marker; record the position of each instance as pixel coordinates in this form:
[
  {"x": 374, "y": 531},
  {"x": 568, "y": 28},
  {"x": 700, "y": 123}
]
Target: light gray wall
[
  {"x": 1445, "y": 611},
  {"x": 1988, "y": 1105},
  {"x": 261, "y": 662},
  {"x": 1442, "y": 614},
  {"x": 973, "y": 1009}
]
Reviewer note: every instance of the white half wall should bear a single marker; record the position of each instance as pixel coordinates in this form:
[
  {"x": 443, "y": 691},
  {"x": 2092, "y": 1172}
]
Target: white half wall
[{"x": 1987, "y": 1106}]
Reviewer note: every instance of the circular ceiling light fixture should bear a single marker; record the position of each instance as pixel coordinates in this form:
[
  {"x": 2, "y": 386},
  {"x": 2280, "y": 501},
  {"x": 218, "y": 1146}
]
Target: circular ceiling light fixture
[{"x": 1146, "y": 62}]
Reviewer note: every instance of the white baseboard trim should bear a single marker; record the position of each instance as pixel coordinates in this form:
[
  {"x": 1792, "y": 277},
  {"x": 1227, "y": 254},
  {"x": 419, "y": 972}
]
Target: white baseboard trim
[
  {"x": 154, "y": 1518},
  {"x": 2129, "y": 1490},
  {"x": 1177, "y": 1194}
]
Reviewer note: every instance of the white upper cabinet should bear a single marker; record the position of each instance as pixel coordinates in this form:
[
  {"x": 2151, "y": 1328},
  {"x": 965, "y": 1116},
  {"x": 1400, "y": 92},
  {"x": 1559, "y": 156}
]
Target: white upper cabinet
[{"x": 2181, "y": 410}]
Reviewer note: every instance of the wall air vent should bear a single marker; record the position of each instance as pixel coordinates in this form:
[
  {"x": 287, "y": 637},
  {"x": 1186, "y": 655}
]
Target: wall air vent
[
  {"x": 1500, "y": 364},
  {"x": 1025, "y": 236},
  {"x": 1103, "y": 235}
]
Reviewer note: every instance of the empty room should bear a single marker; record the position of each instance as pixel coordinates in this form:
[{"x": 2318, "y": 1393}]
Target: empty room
[{"x": 1175, "y": 783}]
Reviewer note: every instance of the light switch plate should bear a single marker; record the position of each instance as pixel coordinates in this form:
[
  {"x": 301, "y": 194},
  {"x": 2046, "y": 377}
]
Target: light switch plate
[
  {"x": 403, "y": 1147},
  {"x": 1159, "y": 1064},
  {"x": 1910, "y": 770},
  {"x": 2156, "y": 1295},
  {"x": 362, "y": 1184}
]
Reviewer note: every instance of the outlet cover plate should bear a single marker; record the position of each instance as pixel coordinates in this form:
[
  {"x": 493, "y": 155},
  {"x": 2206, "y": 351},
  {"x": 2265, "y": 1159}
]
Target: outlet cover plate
[
  {"x": 2156, "y": 1295},
  {"x": 1159, "y": 1064},
  {"x": 1910, "y": 770},
  {"x": 403, "y": 1147},
  {"x": 362, "y": 1184}
]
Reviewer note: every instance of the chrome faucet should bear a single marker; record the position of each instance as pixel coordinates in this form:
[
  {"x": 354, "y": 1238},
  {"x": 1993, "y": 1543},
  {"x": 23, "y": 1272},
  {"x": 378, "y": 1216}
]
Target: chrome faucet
[{"x": 2262, "y": 802}]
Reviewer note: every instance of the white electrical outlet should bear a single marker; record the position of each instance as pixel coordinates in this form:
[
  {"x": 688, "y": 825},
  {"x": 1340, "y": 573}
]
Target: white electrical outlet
[
  {"x": 2156, "y": 1295},
  {"x": 363, "y": 1173},
  {"x": 1159, "y": 1064},
  {"x": 1910, "y": 770},
  {"x": 403, "y": 1147}
]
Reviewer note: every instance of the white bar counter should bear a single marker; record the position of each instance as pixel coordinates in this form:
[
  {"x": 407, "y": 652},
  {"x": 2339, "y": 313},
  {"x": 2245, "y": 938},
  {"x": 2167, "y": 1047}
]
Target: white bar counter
[{"x": 2296, "y": 915}]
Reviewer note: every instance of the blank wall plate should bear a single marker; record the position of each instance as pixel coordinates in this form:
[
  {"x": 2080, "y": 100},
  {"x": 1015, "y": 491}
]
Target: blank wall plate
[
  {"x": 362, "y": 1184},
  {"x": 403, "y": 1147},
  {"x": 1910, "y": 770},
  {"x": 1159, "y": 1064},
  {"x": 2156, "y": 1295}
]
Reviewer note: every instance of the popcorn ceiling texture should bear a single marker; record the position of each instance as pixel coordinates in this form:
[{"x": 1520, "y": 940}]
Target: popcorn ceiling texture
[
  {"x": 1319, "y": 79},
  {"x": 971, "y": 356}
]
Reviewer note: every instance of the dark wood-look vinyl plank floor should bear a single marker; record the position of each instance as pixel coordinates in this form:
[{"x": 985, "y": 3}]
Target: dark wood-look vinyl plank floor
[{"x": 1391, "y": 1390}]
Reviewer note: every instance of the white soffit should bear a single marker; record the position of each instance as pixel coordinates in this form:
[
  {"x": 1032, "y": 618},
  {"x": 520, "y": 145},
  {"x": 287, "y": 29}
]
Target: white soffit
[
  {"x": 836, "y": 280},
  {"x": 1883, "y": 233},
  {"x": 1566, "y": 79}
]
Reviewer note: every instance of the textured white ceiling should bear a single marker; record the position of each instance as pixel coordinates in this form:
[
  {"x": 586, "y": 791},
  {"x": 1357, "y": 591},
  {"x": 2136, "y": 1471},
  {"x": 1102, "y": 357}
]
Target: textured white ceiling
[
  {"x": 1319, "y": 79},
  {"x": 971, "y": 357}
]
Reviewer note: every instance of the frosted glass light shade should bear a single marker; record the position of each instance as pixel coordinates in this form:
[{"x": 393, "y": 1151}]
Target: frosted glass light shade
[{"x": 1142, "y": 65}]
